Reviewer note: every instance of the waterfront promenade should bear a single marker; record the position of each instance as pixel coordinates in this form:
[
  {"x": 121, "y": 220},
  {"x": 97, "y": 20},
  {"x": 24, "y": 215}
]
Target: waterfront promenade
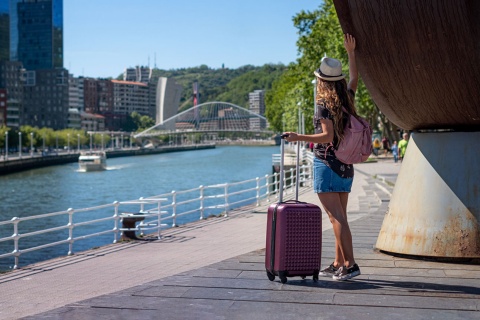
[{"x": 214, "y": 269}]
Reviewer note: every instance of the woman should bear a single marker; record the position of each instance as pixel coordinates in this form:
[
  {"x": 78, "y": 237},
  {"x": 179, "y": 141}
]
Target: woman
[{"x": 332, "y": 178}]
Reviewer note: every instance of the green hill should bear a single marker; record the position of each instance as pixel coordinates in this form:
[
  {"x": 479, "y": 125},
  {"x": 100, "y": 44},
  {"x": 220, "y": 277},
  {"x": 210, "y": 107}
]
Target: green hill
[{"x": 227, "y": 85}]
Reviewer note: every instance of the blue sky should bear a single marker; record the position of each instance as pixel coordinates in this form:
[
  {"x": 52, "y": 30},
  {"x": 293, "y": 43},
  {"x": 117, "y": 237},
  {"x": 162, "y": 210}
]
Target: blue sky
[{"x": 103, "y": 37}]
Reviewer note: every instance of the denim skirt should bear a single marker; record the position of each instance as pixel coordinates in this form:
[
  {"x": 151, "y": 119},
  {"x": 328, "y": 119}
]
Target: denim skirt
[{"x": 326, "y": 180}]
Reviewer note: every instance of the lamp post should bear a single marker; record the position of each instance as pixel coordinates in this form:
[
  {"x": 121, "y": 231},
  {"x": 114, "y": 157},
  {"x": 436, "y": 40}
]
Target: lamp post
[
  {"x": 122, "y": 142},
  {"x": 112, "y": 141},
  {"x": 131, "y": 136},
  {"x": 20, "y": 145},
  {"x": 90, "y": 142},
  {"x": 31, "y": 144},
  {"x": 78, "y": 143},
  {"x": 68, "y": 142},
  {"x": 102, "y": 143},
  {"x": 56, "y": 144},
  {"x": 43, "y": 145},
  {"x": 6, "y": 145}
]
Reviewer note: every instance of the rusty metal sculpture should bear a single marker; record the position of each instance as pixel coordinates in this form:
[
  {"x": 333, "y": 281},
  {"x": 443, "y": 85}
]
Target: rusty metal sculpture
[{"x": 420, "y": 61}]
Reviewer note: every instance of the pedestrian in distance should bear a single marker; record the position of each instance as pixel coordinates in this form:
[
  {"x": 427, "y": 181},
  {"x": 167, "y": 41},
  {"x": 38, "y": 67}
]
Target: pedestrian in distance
[
  {"x": 395, "y": 151},
  {"x": 376, "y": 146},
  {"x": 385, "y": 145},
  {"x": 333, "y": 178},
  {"x": 402, "y": 146}
]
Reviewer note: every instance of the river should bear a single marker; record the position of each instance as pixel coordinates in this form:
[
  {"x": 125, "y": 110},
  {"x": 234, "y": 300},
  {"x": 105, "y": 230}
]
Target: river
[{"x": 58, "y": 188}]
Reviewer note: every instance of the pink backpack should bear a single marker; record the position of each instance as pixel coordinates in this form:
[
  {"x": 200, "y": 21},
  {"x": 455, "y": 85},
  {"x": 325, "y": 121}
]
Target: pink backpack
[{"x": 356, "y": 145}]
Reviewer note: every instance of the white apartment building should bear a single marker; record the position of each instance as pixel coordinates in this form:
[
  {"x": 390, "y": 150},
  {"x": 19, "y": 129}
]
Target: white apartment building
[
  {"x": 75, "y": 93},
  {"x": 138, "y": 74},
  {"x": 74, "y": 119},
  {"x": 256, "y": 101},
  {"x": 129, "y": 96},
  {"x": 92, "y": 122}
]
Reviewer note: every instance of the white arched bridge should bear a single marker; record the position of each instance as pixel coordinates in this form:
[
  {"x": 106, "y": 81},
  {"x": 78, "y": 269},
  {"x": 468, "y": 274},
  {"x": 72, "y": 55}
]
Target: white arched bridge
[{"x": 211, "y": 118}]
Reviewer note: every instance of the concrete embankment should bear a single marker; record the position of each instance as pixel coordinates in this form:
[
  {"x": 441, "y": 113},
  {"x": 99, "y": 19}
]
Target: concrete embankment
[{"x": 15, "y": 164}]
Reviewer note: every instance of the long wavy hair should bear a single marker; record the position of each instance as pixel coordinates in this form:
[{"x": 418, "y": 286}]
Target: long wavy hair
[{"x": 334, "y": 95}]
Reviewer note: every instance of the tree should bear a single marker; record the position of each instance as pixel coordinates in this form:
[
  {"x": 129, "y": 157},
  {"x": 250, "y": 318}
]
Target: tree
[
  {"x": 281, "y": 102},
  {"x": 3, "y": 130},
  {"x": 140, "y": 122},
  {"x": 320, "y": 35}
]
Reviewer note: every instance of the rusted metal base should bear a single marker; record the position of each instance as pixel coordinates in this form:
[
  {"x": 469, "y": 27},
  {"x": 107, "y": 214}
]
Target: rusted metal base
[
  {"x": 435, "y": 207},
  {"x": 129, "y": 223}
]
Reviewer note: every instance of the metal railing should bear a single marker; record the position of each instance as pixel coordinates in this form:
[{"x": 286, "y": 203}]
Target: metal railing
[{"x": 37, "y": 232}]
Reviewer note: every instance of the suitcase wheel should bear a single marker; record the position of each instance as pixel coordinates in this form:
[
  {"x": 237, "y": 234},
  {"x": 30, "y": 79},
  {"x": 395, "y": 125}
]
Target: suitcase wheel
[
  {"x": 315, "y": 276},
  {"x": 270, "y": 276},
  {"x": 283, "y": 277},
  {"x": 303, "y": 277}
]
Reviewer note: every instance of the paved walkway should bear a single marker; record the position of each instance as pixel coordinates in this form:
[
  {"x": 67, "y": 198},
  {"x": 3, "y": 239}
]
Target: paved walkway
[{"x": 214, "y": 269}]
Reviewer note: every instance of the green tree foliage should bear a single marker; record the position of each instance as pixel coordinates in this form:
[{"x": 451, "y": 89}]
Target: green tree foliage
[
  {"x": 141, "y": 122},
  {"x": 3, "y": 130},
  {"x": 320, "y": 35},
  {"x": 258, "y": 79},
  {"x": 36, "y": 137},
  {"x": 282, "y": 101}
]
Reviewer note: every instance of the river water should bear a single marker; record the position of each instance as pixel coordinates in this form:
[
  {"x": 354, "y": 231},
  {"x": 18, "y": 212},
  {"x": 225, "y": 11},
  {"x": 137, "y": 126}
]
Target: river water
[{"x": 58, "y": 188}]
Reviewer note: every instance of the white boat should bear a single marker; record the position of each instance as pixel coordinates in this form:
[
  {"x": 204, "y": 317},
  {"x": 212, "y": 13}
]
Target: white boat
[{"x": 92, "y": 161}]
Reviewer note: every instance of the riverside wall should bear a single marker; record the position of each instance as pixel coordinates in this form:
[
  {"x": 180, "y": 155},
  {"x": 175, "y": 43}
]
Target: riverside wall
[{"x": 16, "y": 164}]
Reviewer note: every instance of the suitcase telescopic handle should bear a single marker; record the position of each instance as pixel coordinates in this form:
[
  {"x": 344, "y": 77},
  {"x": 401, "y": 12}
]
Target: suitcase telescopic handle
[
  {"x": 282, "y": 171},
  {"x": 282, "y": 174},
  {"x": 297, "y": 171}
]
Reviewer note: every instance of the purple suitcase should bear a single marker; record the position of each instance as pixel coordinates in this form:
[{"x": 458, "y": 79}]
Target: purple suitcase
[{"x": 294, "y": 236}]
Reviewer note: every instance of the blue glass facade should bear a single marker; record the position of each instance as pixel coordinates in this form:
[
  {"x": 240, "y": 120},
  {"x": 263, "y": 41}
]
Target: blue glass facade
[
  {"x": 36, "y": 33},
  {"x": 4, "y": 30}
]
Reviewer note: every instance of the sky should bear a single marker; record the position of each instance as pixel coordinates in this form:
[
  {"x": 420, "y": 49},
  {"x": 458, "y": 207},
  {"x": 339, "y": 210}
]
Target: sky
[{"x": 103, "y": 37}]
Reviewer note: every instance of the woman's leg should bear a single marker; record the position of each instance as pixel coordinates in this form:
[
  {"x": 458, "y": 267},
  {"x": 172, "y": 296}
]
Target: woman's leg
[{"x": 335, "y": 204}]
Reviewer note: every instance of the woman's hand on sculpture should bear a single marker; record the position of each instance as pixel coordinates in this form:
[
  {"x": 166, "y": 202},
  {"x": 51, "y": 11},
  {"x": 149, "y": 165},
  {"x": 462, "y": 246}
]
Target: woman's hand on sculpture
[{"x": 349, "y": 43}]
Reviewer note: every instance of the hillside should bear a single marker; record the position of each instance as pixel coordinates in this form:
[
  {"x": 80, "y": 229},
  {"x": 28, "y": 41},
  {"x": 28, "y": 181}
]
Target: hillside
[{"x": 228, "y": 85}]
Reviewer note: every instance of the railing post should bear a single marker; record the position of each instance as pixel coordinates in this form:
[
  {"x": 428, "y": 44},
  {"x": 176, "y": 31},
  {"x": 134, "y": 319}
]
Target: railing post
[
  {"x": 115, "y": 221},
  {"x": 226, "y": 199},
  {"x": 142, "y": 205},
  {"x": 174, "y": 208},
  {"x": 202, "y": 198},
  {"x": 267, "y": 186},
  {"x": 258, "y": 190},
  {"x": 159, "y": 208},
  {"x": 70, "y": 212},
  {"x": 16, "y": 238},
  {"x": 276, "y": 182}
]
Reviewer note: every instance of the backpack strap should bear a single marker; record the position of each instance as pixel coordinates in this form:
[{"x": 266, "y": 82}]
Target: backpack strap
[{"x": 330, "y": 145}]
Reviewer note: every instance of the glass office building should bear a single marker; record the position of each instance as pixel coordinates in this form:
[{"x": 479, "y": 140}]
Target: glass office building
[
  {"x": 4, "y": 30},
  {"x": 36, "y": 33}
]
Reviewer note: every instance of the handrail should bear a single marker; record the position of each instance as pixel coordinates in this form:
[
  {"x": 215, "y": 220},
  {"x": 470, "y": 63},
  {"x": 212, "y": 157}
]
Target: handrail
[{"x": 72, "y": 225}]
